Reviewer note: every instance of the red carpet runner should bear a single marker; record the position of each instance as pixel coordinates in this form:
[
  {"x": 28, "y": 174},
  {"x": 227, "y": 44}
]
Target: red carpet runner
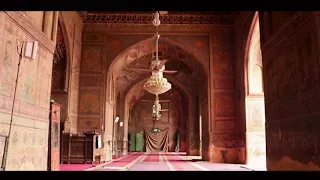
[
  {"x": 152, "y": 157},
  {"x": 178, "y": 163},
  {"x": 117, "y": 164},
  {"x": 74, "y": 167},
  {"x": 164, "y": 162}
]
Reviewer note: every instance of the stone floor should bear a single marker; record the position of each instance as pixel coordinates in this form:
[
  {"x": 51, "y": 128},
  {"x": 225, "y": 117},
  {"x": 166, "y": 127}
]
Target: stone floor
[{"x": 141, "y": 161}]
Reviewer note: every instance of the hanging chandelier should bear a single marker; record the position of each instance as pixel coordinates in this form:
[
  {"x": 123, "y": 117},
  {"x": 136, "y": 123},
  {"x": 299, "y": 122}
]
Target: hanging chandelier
[{"x": 156, "y": 83}]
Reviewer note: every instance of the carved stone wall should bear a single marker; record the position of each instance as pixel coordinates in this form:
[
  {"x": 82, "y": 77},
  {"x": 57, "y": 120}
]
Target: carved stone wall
[
  {"x": 91, "y": 96},
  {"x": 291, "y": 76},
  {"x": 222, "y": 127},
  {"x": 28, "y": 141}
]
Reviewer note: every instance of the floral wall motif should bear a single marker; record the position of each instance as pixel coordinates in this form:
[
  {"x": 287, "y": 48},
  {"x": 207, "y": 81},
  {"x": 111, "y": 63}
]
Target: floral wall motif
[{"x": 89, "y": 102}]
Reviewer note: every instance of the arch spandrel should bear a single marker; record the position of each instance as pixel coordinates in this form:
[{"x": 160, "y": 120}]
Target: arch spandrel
[
  {"x": 139, "y": 56},
  {"x": 125, "y": 56}
]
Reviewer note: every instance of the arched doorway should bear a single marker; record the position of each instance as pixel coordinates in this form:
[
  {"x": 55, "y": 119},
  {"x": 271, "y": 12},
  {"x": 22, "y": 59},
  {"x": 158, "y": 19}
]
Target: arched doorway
[
  {"x": 254, "y": 101},
  {"x": 139, "y": 103},
  {"x": 190, "y": 73}
]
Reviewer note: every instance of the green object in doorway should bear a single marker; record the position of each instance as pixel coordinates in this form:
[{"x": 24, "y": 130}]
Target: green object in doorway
[
  {"x": 132, "y": 142},
  {"x": 139, "y": 142}
]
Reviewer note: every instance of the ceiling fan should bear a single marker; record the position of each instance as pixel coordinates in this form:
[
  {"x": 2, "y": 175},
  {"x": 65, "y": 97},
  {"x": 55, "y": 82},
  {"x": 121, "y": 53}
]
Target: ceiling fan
[
  {"x": 156, "y": 108},
  {"x": 156, "y": 65}
]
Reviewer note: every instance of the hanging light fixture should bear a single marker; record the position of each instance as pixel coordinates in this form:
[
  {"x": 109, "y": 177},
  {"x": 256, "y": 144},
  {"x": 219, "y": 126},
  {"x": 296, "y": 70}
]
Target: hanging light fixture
[{"x": 157, "y": 84}]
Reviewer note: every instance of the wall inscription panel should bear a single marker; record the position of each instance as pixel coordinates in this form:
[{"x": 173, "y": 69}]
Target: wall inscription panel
[
  {"x": 89, "y": 102},
  {"x": 91, "y": 61}
]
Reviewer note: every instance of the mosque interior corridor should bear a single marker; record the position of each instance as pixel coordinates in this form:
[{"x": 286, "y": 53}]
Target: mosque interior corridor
[{"x": 159, "y": 91}]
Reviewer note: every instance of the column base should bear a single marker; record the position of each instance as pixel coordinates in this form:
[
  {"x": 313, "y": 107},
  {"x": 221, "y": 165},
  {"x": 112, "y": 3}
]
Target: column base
[
  {"x": 193, "y": 152},
  {"x": 223, "y": 155}
]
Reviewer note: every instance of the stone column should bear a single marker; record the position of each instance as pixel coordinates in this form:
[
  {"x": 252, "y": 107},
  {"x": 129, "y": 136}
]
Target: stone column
[
  {"x": 109, "y": 127},
  {"x": 48, "y": 23},
  {"x": 205, "y": 130},
  {"x": 123, "y": 131},
  {"x": 222, "y": 124},
  {"x": 55, "y": 26},
  {"x": 193, "y": 131},
  {"x": 194, "y": 144}
]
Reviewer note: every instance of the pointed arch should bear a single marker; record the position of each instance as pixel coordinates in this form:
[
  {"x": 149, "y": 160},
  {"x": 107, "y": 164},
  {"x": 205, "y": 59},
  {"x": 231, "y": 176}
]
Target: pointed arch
[
  {"x": 144, "y": 48},
  {"x": 254, "y": 100}
]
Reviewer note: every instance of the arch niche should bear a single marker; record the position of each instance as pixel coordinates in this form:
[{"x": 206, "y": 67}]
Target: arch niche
[
  {"x": 175, "y": 118},
  {"x": 191, "y": 75},
  {"x": 254, "y": 101}
]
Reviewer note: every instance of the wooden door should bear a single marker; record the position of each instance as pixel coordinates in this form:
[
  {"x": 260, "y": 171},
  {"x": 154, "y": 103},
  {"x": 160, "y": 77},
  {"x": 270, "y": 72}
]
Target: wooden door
[{"x": 54, "y": 138}]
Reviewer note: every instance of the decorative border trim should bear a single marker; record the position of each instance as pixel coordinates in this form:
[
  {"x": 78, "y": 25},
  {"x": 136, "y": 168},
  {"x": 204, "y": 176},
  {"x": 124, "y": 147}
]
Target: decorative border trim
[
  {"x": 143, "y": 18},
  {"x": 148, "y": 28}
]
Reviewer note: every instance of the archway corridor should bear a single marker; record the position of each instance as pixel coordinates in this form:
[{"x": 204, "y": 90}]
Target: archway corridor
[{"x": 245, "y": 96}]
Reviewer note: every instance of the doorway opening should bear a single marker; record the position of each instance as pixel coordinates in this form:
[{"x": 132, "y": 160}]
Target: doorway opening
[{"x": 254, "y": 101}]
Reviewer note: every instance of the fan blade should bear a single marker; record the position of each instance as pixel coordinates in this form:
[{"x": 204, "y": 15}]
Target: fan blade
[
  {"x": 164, "y": 110},
  {"x": 163, "y": 62},
  {"x": 133, "y": 69},
  {"x": 164, "y": 100},
  {"x": 169, "y": 71},
  {"x": 145, "y": 100}
]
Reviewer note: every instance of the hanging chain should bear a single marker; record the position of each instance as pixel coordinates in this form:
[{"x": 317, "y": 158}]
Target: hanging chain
[{"x": 156, "y": 22}]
